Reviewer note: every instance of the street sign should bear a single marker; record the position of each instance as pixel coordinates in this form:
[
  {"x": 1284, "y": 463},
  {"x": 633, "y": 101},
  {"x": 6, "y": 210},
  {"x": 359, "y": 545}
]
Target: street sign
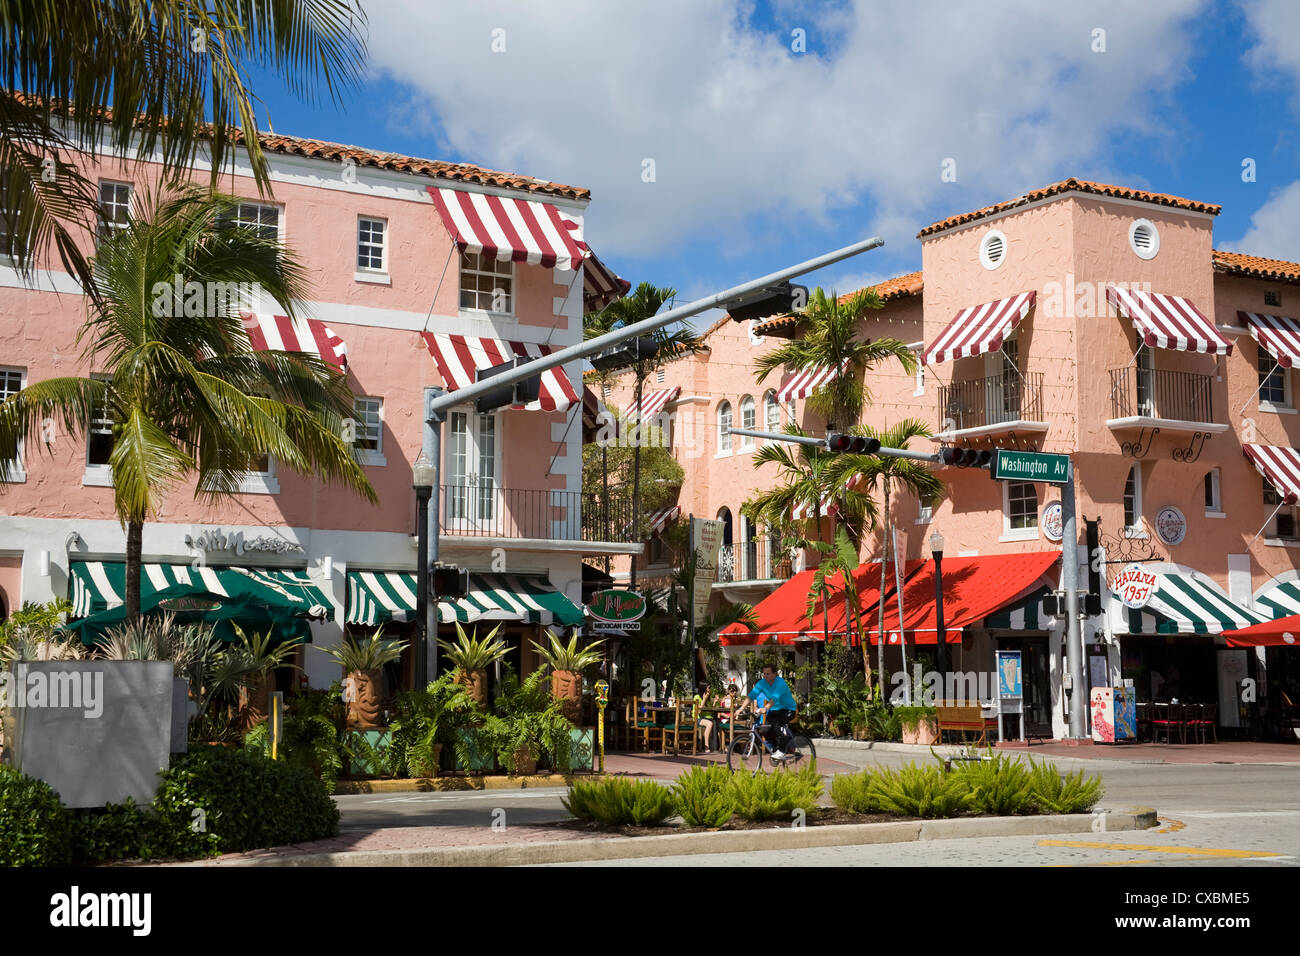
[{"x": 1009, "y": 465}]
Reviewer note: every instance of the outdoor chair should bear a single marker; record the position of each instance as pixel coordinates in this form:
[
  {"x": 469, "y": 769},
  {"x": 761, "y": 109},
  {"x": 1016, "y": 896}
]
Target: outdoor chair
[
  {"x": 1168, "y": 720},
  {"x": 1204, "y": 725},
  {"x": 684, "y": 723},
  {"x": 644, "y": 726}
]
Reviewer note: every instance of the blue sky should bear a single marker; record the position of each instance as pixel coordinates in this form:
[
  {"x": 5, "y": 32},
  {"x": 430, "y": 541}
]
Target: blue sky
[{"x": 765, "y": 154}]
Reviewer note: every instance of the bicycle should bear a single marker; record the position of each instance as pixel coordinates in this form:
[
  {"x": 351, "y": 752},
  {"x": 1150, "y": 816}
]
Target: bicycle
[{"x": 745, "y": 752}]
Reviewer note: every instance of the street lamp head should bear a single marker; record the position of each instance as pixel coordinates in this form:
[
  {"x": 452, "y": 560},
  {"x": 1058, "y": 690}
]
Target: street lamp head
[
  {"x": 423, "y": 474},
  {"x": 936, "y": 542}
]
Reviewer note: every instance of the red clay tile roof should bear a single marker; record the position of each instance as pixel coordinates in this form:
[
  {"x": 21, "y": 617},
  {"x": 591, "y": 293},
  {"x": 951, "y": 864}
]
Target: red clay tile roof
[
  {"x": 898, "y": 287},
  {"x": 1071, "y": 185},
  {"x": 1238, "y": 263}
]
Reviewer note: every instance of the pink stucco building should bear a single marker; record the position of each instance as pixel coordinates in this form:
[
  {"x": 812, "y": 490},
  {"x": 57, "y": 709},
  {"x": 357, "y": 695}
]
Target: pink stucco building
[
  {"x": 423, "y": 271},
  {"x": 1083, "y": 319}
]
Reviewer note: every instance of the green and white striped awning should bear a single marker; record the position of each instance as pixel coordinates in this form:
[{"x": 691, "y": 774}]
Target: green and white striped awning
[
  {"x": 1281, "y": 600},
  {"x": 100, "y": 585},
  {"x": 1024, "y": 615},
  {"x": 1186, "y": 604},
  {"x": 375, "y": 597}
]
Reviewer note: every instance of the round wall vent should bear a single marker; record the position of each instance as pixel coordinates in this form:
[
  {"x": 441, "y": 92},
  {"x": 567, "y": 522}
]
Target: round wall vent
[
  {"x": 1144, "y": 238},
  {"x": 993, "y": 249}
]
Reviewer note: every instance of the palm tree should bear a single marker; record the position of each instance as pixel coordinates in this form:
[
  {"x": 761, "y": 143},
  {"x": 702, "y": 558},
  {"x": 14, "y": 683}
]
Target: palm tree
[
  {"x": 187, "y": 394},
  {"x": 165, "y": 77},
  {"x": 829, "y": 340},
  {"x": 881, "y": 473},
  {"x": 642, "y": 303}
]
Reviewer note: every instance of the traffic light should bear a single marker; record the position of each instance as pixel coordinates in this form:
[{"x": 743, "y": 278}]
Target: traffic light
[
  {"x": 842, "y": 442},
  {"x": 625, "y": 353},
  {"x": 778, "y": 299},
  {"x": 518, "y": 393},
  {"x": 965, "y": 457},
  {"x": 449, "y": 581}
]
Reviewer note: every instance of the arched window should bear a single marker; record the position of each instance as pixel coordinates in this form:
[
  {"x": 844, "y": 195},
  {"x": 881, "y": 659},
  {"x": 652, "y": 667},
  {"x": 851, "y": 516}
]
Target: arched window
[
  {"x": 724, "y": 428},
  {"x": 771, "y": 412},
  {"x": 747, "y": 420}
]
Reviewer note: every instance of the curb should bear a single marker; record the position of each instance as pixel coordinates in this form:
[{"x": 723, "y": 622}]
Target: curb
[
  {"x": 727, "y": 841},
  {"x": 345, "y": 788}
]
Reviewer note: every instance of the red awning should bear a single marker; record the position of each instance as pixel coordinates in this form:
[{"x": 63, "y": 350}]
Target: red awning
[
  {"x": 662, "y": 517},
  {"x": 783, "y": 614},
  {"x": 1279, "y": 335},
  {"x": 1284, "y": 632},
  {"x": 1168, "y": 321},
  {"x": 654, "y": 403},
  {"x": 1280, "y": 465},
  {"x": 509, "y": 230},
  {"x": 600, "y": 284},
  {"x": 458, "y": 356},
  {"x": 803, "y": 383},
  {"x": 279, "y": 333},
  {"x": 979, "y": 329},
  {"x": 973, "y": 588}
]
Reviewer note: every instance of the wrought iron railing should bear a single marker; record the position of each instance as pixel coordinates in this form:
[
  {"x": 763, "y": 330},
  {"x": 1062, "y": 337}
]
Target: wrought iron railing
[
  {"x": 1161, "y": 393},
  {"x": 759, "y": 560},
  {"x": 991, "y": 400},
  {"x": 483, "y": 511}
]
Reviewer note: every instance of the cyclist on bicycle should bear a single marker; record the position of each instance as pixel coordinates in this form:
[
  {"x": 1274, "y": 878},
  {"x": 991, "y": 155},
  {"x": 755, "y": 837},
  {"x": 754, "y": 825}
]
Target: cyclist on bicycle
[{"x": 780, "y": 706}]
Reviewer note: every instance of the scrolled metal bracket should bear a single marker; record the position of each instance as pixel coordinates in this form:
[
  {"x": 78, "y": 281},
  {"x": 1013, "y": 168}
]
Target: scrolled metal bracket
[
  {"x": 1193, "y": 450},
  {"x": 1136, "y": 449}
]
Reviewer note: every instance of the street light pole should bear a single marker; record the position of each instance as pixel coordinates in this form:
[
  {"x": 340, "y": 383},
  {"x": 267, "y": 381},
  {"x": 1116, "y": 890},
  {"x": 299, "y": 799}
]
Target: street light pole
[
  {"x": 422, "y": 477},
  {"x": 941, "y": 653}
]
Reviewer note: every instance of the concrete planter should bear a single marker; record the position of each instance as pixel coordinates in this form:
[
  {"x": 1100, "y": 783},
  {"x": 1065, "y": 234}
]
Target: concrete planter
[
  {"x": 96, "y": 731},
  {"x": 924, "y": 732}
]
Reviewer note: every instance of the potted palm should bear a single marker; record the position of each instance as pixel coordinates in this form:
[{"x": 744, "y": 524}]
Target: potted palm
[
  {"x": 472, "y": 658},
  {"x": 261, "y": 659},
  {"x": 364, "y": 680},
  {"x": 567, "y": 663}
]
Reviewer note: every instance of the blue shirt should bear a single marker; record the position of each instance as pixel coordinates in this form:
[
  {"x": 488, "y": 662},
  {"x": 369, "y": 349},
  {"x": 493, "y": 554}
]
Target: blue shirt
[{"x": 778, "y": 692}]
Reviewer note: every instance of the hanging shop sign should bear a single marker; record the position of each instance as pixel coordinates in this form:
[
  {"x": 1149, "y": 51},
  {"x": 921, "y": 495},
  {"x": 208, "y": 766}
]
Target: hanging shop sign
[
  {"x": 1052, "y": 522},
  {"x": 617, "y": 610},
  {"x": 1134, "y": 586},
  {"x": 1171, "y": 525},
  {"x": 214, "y": 539}
]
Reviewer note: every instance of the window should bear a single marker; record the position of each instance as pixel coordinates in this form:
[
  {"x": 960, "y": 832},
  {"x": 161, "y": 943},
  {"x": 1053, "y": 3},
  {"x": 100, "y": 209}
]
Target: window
[
  {"x": 1274, "y": 382},
  {"x": 472, "y": 467},
  {"x": 368, "y": 438},
  {"x": 11, "y": 383},
  {"x": 486, "y": 285},
  {"x": 1213, "y": 495},
  {"x": 99, "y": 435},
  {"x": 114, "y": 207},
  {"x": 260, "y": 217},
  {"x": 1144, "y": 238},
  {"x": 747, "y": 420},
  {"x": 724, "y": 428},
  {"x": 1272, "y": 298},
  {"x": 771, "y": 413},
  {"x": 11, "y": 243},
  {"x": 1284, "y": 520},
  {"x": 1020, "y": 509},
  {"x": 659, "y": 376},
  {"x": 604, "y": 392},
  {"x": 919, "y": 389},
  {"x": 372, "y": 241},
  {"x": 1133, "y": 500},
  {"x": 925, "y": 511}
]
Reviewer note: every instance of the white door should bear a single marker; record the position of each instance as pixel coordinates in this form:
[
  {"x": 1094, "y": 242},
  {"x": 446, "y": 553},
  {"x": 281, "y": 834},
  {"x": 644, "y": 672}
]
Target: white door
[{"x": 472, "y": 465}]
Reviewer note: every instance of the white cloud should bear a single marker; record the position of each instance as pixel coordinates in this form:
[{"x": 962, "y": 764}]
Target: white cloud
[
  {"x": 747, "y": 137},
  {"x": 1272, "y": 231},
  {"x": 1275, "y": 24}
]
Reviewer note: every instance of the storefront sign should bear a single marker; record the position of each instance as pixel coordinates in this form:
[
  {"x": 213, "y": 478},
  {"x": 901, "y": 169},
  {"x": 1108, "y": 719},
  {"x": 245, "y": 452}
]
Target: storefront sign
[
  {"x": 1134, "y": 586},
  {"x": 613, "y": 607},
  {"x": 214, "y": 539},
  {"x": 1052, "y": 523},
  {"x": 1171, "y": 526}
]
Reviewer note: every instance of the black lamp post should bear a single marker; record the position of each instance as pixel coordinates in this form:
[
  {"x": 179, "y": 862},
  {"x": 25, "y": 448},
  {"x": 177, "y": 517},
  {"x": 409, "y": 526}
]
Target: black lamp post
[
  {"x": 423, "y": 475},
  {"x": 941, "y": 637}
]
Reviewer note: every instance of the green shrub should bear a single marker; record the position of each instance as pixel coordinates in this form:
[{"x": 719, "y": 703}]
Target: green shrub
[
  {"x": 773, "y": 796},
  {"x": 35, "y": 829},
  {"x": 1052, "y": 793},
  {"x": 616, "y": 801},
  {"x": 909, "y": 716},
  {"x": 853, "y": 792},
  {"x": 245, "y": 802},
  {"x": 310, "y": 741},
  {"x": 119, "y": 831},
  {"x": 882, "y": 722},
  {"x": 364, "y": 758},
  {"x": 704, "y": 796},
  {"x": 913, "y": 791},
  {"x": 1001, "y": 786}
]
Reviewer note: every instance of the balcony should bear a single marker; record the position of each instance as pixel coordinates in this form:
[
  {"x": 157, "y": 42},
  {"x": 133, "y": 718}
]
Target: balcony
[
  {"x": 1162, "y": 398},
  {"x": 480, "y": 510},
  {"x": 992, "y": 405},
  {"x": 759, "y": 560}
]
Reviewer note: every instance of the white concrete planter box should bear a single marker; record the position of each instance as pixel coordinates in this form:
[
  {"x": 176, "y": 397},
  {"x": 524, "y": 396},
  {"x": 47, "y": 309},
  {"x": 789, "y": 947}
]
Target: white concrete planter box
[{"x": 96, "y": 731}]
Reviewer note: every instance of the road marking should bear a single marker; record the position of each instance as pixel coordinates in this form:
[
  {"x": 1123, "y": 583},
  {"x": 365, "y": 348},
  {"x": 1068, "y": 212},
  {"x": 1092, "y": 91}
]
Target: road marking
[
  {"x": 1214, "y": 815},
  {"x": 1172, "y": 826},
  {"x": 1149, "y": 848}
]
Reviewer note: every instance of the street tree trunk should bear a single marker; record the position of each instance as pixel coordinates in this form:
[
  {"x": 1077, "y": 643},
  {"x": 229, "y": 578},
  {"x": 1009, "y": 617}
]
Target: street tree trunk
[{"x": 134, "y": 549}]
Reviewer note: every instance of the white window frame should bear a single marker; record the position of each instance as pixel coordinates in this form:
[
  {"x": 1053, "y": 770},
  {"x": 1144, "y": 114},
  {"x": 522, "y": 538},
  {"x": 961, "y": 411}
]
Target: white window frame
[
  {"x": 918, "y": 349},
  {"x": 1273, "y": 538},
  {"x": 371, "y": 273},
  {"x": 747, "y": 441},
  {"x": 104, "y": 227},
  {"x": 924, "y": 512},
  {"x": 660, "y": 376},
  {"x": 1287, "y": 405},
  {"x": 724, "y": 431},
  {"x": 474, "y": 455},
  {"x": 512, "y": 277},
  {"x": 1018, "y": 534},
  {"x": 1215, "y": 510},
  {"x": 261, "y": 482},
  {"x": 237, "y": 218},
  {"x": 1138, "y": 528},
  {"x": 370, "y": 456},
  {"x": 19, "y": 473},
  {"x": 97, "y": 475},
  {"x": 771, "y": 423}
]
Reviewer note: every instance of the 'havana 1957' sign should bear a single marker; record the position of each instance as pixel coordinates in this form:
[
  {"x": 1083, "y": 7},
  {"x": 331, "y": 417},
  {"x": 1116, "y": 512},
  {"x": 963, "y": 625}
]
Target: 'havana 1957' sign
[{"x": 1134, "y": 585}]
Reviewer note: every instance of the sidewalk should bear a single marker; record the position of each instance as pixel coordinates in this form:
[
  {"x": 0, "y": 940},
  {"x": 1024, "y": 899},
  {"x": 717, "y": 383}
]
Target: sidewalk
[{"x": 1225, "y": 752}]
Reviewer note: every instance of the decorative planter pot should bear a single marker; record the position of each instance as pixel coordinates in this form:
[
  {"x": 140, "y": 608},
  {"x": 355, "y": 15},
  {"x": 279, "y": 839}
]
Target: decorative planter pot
[
  {"x": 255, "y": 700},
  {"x": 365, "y": 700},
  {"x": 924, "y": 732},
  {"x": 861, "y": 732},
  {"x": 476, "y": 683},
  {"x": 566, "y": 688}
]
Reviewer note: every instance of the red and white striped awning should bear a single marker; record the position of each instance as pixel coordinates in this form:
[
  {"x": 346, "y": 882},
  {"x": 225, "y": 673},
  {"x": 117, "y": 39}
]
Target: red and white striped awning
[
  {"x": 279, "y": 333},
  {"x": 804, "y": 383},
  {"x": 600, "y": 284},
  {"x": 1168, "y": 321},
  {"x": 1279, "y": 335},
  {"x": 1281, "y": 466},
  {"x": 654, "y": 403},
  {"x": 979, "y": 329},
  {"x": 458, "y": 356},
  {"x": 510, "y": 230},
  {"x": 830, "y": 503},
  {"x": 660, "y": 519}
]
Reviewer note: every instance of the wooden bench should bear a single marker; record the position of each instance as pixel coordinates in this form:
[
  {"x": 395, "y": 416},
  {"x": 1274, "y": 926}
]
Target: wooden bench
[{"x": 963, "y": 719}]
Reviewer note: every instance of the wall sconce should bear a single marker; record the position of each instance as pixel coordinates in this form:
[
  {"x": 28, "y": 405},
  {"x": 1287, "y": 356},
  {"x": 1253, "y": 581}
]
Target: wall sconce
[{"x": 45, "y": 564}]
